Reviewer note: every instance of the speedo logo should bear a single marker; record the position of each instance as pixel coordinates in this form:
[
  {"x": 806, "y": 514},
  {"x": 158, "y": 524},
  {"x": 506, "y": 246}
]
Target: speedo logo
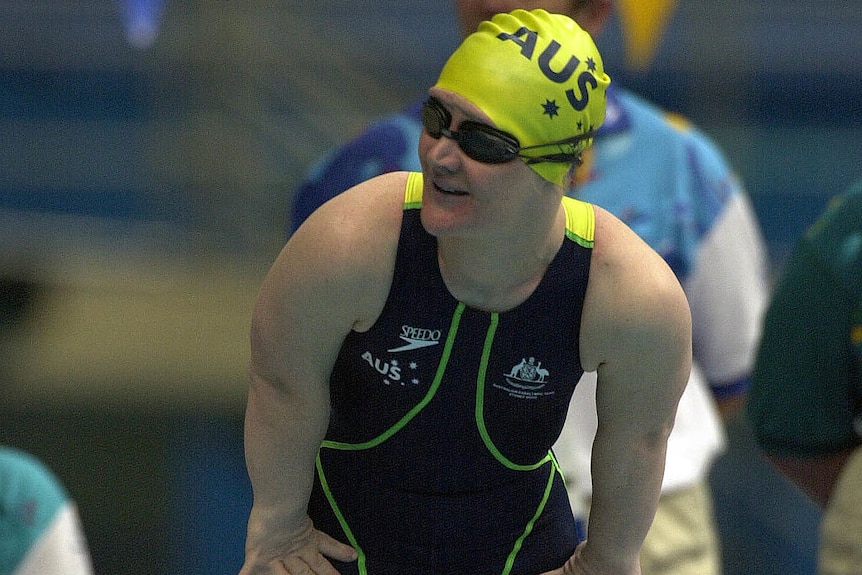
[{"x": 417, "y": 337}]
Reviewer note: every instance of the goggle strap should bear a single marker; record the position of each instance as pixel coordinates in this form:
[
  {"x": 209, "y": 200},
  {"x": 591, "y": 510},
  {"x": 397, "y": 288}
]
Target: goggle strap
[{"x": 563, "y": 142}]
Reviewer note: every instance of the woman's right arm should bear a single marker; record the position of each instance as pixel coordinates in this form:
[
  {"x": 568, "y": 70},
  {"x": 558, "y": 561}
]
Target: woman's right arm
[{"x": 331, "y": 277}]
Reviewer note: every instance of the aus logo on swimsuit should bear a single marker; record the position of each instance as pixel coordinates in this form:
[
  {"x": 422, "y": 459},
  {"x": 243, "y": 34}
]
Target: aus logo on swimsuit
[
  {"x": 404, "y": 372},
  {"x": 526, "y": 380},
  {"x": 392, "y": 372}
]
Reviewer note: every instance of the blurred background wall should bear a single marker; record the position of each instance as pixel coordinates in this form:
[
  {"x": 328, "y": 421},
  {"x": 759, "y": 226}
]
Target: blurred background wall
[{"x": 146, "y": 169}]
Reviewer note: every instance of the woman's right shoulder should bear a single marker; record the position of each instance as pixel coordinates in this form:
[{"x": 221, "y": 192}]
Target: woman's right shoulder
[
  {"x": 346, "y": 249},
  {"x": 366, "y": 216},
  {"x": 367, "y": 209}
]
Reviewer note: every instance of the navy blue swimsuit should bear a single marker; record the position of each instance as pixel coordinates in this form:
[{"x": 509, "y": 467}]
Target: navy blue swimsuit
[{"x": 437, "y": 459}]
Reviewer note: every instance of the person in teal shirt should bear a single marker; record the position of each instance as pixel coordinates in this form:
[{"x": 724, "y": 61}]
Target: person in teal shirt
[{"x": 40, "y": 531}]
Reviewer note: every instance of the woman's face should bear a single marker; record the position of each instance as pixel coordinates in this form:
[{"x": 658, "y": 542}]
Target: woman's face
[{"x": 464, "y": 196}]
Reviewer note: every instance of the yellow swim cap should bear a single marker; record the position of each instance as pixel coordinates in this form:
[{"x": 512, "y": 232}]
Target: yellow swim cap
[{"x": 538, "y": 76}]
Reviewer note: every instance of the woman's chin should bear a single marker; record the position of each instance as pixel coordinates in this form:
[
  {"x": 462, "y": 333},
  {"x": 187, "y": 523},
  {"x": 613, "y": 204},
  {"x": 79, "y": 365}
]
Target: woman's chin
[{"x": 442, "y": 220}]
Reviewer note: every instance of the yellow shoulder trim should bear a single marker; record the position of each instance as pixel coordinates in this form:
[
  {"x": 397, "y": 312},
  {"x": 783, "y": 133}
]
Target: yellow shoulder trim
[
  {"x": 580, "y": 221},
  {"x": 413, "y": 191}
]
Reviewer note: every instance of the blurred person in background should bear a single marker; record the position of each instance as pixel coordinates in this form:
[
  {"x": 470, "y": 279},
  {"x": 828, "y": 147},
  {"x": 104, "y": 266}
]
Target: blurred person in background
[
  {"x": 806, "y": 397},
  {"x": 40, "y": 530},
  {"x": 673, "y": 187},
  {"x": 417, "y": 341}
]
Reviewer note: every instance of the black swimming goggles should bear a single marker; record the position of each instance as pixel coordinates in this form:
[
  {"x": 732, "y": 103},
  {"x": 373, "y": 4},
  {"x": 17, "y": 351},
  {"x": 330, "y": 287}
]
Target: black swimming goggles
[{"x": 489, "y": 145}]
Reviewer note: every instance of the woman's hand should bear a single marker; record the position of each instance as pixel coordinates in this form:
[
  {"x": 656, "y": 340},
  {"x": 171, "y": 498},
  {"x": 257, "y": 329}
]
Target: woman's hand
[{"x": 304, "y": 554}]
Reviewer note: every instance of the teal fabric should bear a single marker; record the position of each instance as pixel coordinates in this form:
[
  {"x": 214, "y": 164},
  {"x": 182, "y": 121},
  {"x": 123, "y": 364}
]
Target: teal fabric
[{"x": 30, "y": 498}]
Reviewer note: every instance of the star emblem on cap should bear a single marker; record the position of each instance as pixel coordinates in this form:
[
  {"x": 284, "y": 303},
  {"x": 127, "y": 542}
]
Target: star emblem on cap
[{"x": 551, "y": 108}]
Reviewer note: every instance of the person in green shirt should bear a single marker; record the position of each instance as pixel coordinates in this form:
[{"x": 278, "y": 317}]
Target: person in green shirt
[{"x": 805, "y": 405}]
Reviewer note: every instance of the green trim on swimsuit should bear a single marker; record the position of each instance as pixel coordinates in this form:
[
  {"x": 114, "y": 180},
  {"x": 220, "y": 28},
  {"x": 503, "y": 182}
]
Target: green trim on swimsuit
[
  {"x": 435, "y": 385},
  {"x": 324, "y": 484},
  {"x": 510, "y": 560},
  {"x": 480, "y": 405}
]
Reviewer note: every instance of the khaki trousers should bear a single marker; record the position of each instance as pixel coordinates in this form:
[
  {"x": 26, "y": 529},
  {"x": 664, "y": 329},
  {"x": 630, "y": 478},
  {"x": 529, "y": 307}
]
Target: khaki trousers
[
  {"x": 841, "y": 529},
  {"x": 683, "y": 538}
]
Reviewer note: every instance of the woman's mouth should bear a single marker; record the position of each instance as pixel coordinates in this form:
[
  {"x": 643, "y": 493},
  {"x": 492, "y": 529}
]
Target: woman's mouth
[{"x": 448, "y": 191}]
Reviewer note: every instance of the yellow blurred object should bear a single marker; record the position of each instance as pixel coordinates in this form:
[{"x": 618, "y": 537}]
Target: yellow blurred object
[{"x": 643, "y": 23}]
